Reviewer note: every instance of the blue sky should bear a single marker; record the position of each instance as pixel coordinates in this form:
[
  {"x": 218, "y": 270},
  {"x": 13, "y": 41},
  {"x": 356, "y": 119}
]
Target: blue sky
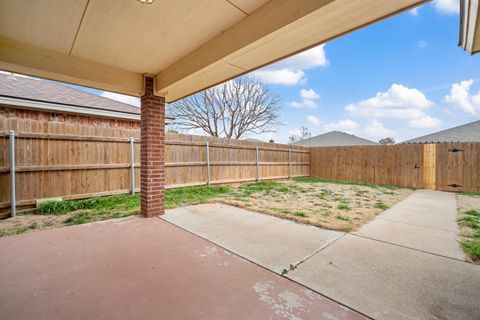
[{"x": 403, "y": 77}]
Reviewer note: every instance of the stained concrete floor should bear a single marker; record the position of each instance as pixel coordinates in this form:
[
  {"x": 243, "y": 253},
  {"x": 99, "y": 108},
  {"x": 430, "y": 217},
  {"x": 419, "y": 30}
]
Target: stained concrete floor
[
  {"x": 138, "y": 268},
  {"x": 405, "y": 264}
]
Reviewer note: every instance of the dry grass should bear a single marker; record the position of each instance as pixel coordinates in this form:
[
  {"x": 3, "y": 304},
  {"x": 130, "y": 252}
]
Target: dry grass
[
  {"x": 334, "y": 206},
  {"x": 331, "y": 205}
]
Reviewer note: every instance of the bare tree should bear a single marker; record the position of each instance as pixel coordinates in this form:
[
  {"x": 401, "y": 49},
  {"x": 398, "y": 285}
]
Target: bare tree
[
  {"x": 302, "y": 134},
  {"x": 387, "y": 140},
  {"x": 229, "y": 110}
]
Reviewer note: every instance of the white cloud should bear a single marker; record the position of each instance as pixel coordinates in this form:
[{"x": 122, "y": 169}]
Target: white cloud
[
  {"x": 398, "y": 102},
  {"x": 313, "y": 120},
  {"x": 291, "y": 70},
  {"x": 460, "y": 97},
  {"x": 309, "y": 94},
  {"x": 308, "y": 100},
  {"x": 425, "y": 122},
  {"x": 414, "y": 11},
  {"x": 422, "y": 44},
  {"x": 122, "y": 98},
  {"x": 282, "y": 76},
  {"x": 346, "y": 125},
  {"x": 447, "y": 6},
  {"x": 375, "y": 129}
]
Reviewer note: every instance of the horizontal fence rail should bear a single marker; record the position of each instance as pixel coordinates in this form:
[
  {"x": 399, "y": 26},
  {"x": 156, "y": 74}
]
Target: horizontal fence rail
[{"x": 69, "y": 166}]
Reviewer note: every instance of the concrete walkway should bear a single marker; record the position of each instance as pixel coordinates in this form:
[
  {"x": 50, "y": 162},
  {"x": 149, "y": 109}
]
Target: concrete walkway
[{"x": 405, "y": 264}]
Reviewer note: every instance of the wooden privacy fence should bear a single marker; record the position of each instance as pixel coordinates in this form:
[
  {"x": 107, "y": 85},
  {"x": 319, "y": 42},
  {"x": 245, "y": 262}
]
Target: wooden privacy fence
[
  {"x": 50, "y": 165},
  {"x": 444, "y": 166}
]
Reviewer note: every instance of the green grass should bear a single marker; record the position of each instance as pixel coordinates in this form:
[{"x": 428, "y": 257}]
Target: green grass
[
  {"x": 472, "y": 247},
  {"x": 192, "y": 195},
  {"x": 471, "y": 244},
  {"x": 324, "y": 193},
  {"x": 344, "y": 206},
  {"x": 381, "y": 205},
  {"x": 475, "y": 194},
  {"x": 343, "y": 218},
  {"x": 355, "y": 183},
  {"x": 299, "y": 214},
  {"x": 120, "y": 202},
  {"x": 112, "y": 207},
  {"x": 265, "y": 186}
]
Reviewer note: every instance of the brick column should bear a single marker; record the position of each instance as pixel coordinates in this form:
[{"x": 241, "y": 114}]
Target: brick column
[{"x": 152, "y": 152}]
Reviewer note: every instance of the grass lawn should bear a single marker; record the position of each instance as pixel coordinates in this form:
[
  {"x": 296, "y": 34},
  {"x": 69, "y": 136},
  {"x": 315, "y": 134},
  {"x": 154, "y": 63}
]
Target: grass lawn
[
  {"x": 336, "y": 205},
  {"x": 469, "y": 221}
]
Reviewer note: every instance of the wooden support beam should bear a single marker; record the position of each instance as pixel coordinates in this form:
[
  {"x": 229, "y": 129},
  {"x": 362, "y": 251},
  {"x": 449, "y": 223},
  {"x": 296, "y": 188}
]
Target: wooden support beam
[{"x": 39, "y": 62}]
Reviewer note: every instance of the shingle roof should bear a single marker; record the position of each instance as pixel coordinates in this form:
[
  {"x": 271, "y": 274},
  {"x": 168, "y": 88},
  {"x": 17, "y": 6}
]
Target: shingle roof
[
  {"x": 48, "y": 91},
  {"x": 334, "y": 139},
  {"x": 469, "y": 132}
]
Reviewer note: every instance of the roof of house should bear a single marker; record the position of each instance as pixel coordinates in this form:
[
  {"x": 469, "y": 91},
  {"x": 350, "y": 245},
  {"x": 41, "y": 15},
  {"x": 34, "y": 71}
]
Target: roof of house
[
  {"x": 334, "y": 139},
  {"x": 469, "y": 132},
  {"x": 47, "y": 91}
]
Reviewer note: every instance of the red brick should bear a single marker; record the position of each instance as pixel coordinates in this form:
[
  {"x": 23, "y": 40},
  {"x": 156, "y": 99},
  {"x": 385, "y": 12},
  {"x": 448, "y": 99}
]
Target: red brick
[{"x": 152, "y": 171}]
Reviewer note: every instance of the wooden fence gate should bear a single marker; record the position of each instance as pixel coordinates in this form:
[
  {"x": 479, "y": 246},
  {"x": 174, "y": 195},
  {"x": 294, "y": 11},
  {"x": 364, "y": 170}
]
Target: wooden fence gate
[{"x": 457, "y": 167}]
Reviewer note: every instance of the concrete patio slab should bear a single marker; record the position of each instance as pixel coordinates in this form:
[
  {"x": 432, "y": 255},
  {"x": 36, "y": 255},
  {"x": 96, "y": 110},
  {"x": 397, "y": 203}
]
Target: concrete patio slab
[
  {"x": 139, "y": 268},
  {"x": 269, "y": 241},
  {"x": 386, "y": 281}
]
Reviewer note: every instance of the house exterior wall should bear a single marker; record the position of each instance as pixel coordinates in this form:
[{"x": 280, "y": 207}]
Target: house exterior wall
[{"x": 12, "y": 112}]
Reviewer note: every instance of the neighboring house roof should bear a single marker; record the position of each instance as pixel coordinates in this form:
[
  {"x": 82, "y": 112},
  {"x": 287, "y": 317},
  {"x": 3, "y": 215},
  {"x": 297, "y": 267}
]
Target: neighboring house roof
[
  {"x": 469, "y": 132},
  {"x": 334, "y": 139},
  {"x": 41, "y": 94}
]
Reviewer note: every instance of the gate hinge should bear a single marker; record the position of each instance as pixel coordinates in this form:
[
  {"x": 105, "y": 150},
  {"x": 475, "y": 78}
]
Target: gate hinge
[
  {"x": 455, "y": 150},
  {"x": 454, "y": 185}
]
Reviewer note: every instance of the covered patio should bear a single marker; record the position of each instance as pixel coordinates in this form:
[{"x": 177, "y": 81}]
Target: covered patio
[{"x": 165, "y": 50}]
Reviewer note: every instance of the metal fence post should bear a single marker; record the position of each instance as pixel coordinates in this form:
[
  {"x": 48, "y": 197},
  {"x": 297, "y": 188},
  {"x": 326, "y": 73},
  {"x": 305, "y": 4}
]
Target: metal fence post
[
  {"x": 257, "y": 157},
  {"x": 289, "y": 163},
  {"x": 13, "y": 197},
  {"x": 132, "y": 164},
  {"x": 207, "y": 146}
]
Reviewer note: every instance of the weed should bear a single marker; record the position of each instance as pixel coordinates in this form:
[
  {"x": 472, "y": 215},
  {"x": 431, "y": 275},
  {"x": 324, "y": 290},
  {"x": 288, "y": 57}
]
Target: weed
[
  {"x": 290, "y": 268},
  {"x": 344, "y": 206},
  {"x": 283, "y": 211},
  {"x": 355, "y": 183},
  {"x": 48, "y": 223},
  {"x": 299, "y": 214},
  {"x": 381, "y": 205},
  {"x": 472, "y": 247},
  {"x": 250, "y": 188},
  {"x": 343, "y": 218},
  {"x": 473, "y": 212}
]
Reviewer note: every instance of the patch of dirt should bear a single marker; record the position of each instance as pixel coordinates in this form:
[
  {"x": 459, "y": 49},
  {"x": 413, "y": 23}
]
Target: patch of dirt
[
  {"x": 326, "y": 205},
  {"x": 468, "y": 203},
  {"x": 28, "y": 222}
]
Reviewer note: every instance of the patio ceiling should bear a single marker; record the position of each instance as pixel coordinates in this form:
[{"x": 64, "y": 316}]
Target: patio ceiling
[{"x": 188, "y": 45}]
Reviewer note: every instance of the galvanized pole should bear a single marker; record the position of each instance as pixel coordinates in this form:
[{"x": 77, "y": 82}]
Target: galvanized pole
[
  {"x": 208, "y": 162},
  {"x": 132, "y": 164},
  {"x": 289, "y": 163},
  {"x": 257, "y": 160},
  {"x": 13, "y": 197}
]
